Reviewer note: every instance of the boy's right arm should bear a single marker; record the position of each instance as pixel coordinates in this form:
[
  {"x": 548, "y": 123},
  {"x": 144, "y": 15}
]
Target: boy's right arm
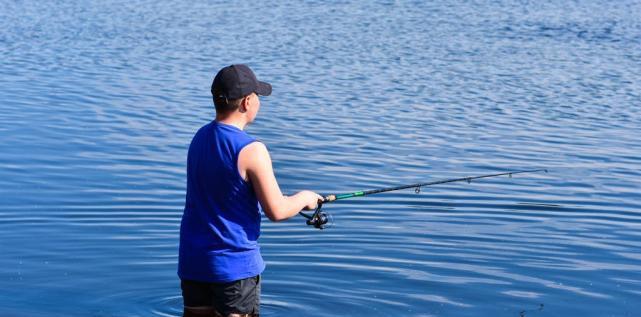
[{"x": 255, "y": 161}]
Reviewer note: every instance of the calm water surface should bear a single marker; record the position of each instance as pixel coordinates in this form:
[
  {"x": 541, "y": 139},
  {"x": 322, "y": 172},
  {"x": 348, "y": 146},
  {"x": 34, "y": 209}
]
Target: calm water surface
[{"x": 99, "y": 101}]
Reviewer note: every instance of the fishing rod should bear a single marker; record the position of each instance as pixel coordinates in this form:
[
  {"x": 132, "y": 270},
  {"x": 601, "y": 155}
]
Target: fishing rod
[{"x": 319, "y": 219}]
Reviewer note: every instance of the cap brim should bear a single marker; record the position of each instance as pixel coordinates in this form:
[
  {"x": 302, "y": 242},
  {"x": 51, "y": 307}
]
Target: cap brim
[{"x": 263, "y": 89}]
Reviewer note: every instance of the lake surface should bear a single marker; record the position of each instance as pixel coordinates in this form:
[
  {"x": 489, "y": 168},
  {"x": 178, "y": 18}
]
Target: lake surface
[{"x": 100, "y": 99}]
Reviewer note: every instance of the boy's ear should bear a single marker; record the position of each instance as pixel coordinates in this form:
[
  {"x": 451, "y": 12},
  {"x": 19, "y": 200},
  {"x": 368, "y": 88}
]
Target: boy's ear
[{"x": 243, "y": 105}]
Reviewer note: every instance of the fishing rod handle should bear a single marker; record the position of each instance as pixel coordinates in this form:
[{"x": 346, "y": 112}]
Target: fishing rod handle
[{"x": 327, "y": 199}]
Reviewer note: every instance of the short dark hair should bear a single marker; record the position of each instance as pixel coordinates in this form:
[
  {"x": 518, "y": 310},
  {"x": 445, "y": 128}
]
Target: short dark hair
[{"x": 224, "y": 105}]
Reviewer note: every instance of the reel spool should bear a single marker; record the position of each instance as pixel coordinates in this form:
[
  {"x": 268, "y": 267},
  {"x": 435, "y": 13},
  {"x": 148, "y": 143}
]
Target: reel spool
[{"x": 318, "y": 219}]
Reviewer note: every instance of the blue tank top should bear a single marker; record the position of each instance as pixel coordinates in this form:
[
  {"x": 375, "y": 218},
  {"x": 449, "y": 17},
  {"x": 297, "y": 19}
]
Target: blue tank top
[{"x": 221, "y": 221}]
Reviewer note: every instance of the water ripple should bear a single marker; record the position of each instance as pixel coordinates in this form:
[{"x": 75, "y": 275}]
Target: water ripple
[{"x": 100, "y": 101}]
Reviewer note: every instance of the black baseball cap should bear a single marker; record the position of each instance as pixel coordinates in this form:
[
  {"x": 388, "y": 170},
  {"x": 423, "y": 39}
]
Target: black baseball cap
[{"x": 237, "y": 81}]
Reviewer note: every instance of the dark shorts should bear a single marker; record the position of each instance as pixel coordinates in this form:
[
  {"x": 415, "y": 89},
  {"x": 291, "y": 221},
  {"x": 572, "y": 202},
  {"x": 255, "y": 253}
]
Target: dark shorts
[{"x": 238, "y": 297}]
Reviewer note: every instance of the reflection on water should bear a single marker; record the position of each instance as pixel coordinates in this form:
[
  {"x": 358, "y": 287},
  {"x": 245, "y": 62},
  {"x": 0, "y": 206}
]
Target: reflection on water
[{"x": 100, "y": 101}]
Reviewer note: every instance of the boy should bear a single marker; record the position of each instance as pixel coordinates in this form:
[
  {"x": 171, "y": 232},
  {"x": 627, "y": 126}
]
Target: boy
[{"x": 228, "y": 174}]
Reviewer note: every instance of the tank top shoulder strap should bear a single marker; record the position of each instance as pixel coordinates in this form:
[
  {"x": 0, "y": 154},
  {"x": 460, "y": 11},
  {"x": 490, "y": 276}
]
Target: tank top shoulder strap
[{"x": 238, "y": 138}]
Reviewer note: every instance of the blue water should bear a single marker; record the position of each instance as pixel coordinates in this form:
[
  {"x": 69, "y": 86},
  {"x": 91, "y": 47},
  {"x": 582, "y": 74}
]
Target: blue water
[{"x": 99, "y": 100}]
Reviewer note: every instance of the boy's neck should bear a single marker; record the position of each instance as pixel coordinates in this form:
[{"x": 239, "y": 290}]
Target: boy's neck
[{"x": 238, "y": 121}]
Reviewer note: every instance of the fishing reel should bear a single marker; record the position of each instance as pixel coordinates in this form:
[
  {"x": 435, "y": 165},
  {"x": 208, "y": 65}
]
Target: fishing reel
[{"x": 318, "y": 219}]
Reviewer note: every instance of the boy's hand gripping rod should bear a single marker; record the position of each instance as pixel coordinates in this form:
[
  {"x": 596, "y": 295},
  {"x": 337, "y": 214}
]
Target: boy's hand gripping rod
[{"x": 319, "y": 219}]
